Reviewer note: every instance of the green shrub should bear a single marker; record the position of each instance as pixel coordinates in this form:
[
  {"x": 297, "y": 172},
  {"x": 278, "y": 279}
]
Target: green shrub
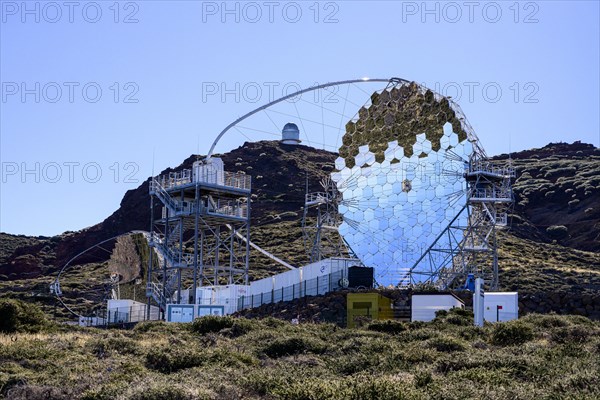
[
  {"x": 565, "y": 171},
  {"x": 570, "y": 334},
  {"x": 349, "y": 364},
  {"x": 391, "y": 327},
  {"x": 122, "y": 345},
  {"x": 105, "y": 392},
  {"x": 455, "y": 316},
  {"x": 18, "y": 316},
  {"x": 416, "y": 325},
  {"x": 240, "y": 327},
  {"x": 423, "y": 378},
  {"x": 273, "y": 322},
  {"x": 459, "y": 320},
  {"x": 211, "y": 324},
  {"x": 355, "y": 387},
  {"x": 162, "y": 393},
  {"x": 511, "y": 333},
  {"x": 546, "y": 320},
  {"x": 292, "y": 346},
  {"x": 446, "y": 344},
  {"x": 412, "y": 335},
  {"x": 463, "y": 312},
  {"x": 150, "y": 326},
  {"x": 580, "y": 320},
  {"x": 174, "y": 358},
  {"x": 31, "y": 350}
]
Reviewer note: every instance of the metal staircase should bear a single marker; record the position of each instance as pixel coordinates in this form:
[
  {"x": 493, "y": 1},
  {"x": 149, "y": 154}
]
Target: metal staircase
[
  {"x": 202, "y": 235},
  {"x": 159, "y": 293}
]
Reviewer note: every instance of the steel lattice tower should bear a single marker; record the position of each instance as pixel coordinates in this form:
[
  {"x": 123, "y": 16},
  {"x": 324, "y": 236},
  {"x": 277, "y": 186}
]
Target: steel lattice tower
[
  {"x": 320, "y": 223},
  {"x": 470, "y": 249},
  {"x": 202, "y": 237}
]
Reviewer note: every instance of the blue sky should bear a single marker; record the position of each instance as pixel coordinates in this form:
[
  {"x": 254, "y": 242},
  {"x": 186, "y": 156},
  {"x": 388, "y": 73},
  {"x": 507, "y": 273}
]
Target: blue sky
[{"x": 533, "y": 66}]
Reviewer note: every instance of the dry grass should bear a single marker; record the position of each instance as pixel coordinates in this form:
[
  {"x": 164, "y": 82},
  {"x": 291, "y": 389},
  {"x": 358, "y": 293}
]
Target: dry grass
[{"x": 536, "y": 357}]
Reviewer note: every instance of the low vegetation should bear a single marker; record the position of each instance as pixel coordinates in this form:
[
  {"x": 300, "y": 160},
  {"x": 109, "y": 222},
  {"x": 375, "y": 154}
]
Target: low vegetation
[
  {"x": 17, "y": 316},
  {"x": 536, "y": 357}
]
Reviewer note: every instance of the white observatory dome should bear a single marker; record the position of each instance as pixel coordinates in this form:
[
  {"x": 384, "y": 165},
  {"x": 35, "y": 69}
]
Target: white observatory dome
[{"x": 290, "y": 134}]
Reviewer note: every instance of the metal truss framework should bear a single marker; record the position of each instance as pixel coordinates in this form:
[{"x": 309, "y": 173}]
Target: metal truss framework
[
  {"x": 472, "y": 249},
  {"x": 320, "y": 223},
  {"x": 203, "y": 235}
]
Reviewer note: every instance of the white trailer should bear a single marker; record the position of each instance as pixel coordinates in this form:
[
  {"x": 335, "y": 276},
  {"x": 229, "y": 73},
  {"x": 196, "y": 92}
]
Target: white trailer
[
  {"x": 180, "y": 312},
  {"x": 501, "y": 306},
  {"x": 210, "y": 300},
  {"x": 424, "y": 306}
]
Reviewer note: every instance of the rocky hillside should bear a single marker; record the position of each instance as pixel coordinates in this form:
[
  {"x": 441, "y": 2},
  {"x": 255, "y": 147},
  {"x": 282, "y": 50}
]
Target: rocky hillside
[
  {"x": 279, "y": 172},
  {"x": 557, "y": 193},
  {"x": 552, "y": 248}
]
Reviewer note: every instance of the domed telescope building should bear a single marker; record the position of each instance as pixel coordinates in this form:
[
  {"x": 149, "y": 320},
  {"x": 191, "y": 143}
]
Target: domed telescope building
[{"x": 290, "y": 134}]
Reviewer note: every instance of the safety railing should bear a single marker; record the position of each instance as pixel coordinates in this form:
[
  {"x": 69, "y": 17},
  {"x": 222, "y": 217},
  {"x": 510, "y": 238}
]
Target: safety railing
[
  {"x": 491, "y": 168},
  {"x": 155, "y": 291},
  {"x": 227, "y": 207},
  {"x": 172, "y": 257},
  {"x": 121, "y": 315},
  {"x": 158, "y": 189},
  {"x": 238, "y": 180},
  {"x": 495, "y": 194},
  {"x": 502, "y": 219},
  {"x": 235, "y": 180},
  {"x": 315, "y": 198},
  {"x": 310, "y": 287}
]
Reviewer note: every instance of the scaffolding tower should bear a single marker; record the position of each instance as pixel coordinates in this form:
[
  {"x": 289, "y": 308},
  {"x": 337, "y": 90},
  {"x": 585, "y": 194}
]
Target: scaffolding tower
[
  {"x": 320, "y": 223},
  {"x": 202, "y": 237},
  {"x": 460, "y": 251}
]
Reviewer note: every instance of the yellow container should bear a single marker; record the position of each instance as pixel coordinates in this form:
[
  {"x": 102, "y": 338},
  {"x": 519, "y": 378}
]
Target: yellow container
[{"x": 369, "y": 306}]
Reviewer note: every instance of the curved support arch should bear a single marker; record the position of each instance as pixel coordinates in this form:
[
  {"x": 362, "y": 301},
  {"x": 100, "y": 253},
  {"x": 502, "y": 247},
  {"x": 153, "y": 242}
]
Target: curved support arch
[
  {"x": 57, "y": 280},
  {"x": 392, "y": 81},
  {"x": 289, "y": 96}
]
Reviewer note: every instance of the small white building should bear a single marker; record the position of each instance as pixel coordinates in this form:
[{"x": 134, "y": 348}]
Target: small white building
[
  {"x": 425, "y": 305},
  {"x": 180, "y": 312},
  {"x": 501, "y": 306},
  {"x": 123, "y": 311},
  {"x": 210, "y": 300},
  {"x": 211, "y": 171},
  {"x": 311, "y": 280}
]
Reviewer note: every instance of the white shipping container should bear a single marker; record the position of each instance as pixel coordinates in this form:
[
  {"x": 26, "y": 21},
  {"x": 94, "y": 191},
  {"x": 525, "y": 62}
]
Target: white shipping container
[
  {"x": 424, "y": 306},
  {"x": 262, "y": 285},
  {"x": 126, "y": 310},
  {"x": 293, "y": 277},
  {"x": 227, "y": 296},
  {"x": 204, "y": 295},
  {"x": 314, "y": 270}
]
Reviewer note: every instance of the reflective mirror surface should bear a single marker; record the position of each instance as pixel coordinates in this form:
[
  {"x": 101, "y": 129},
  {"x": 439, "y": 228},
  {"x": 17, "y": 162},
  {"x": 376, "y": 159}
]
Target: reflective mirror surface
[{"x": 395, "y": 208}]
